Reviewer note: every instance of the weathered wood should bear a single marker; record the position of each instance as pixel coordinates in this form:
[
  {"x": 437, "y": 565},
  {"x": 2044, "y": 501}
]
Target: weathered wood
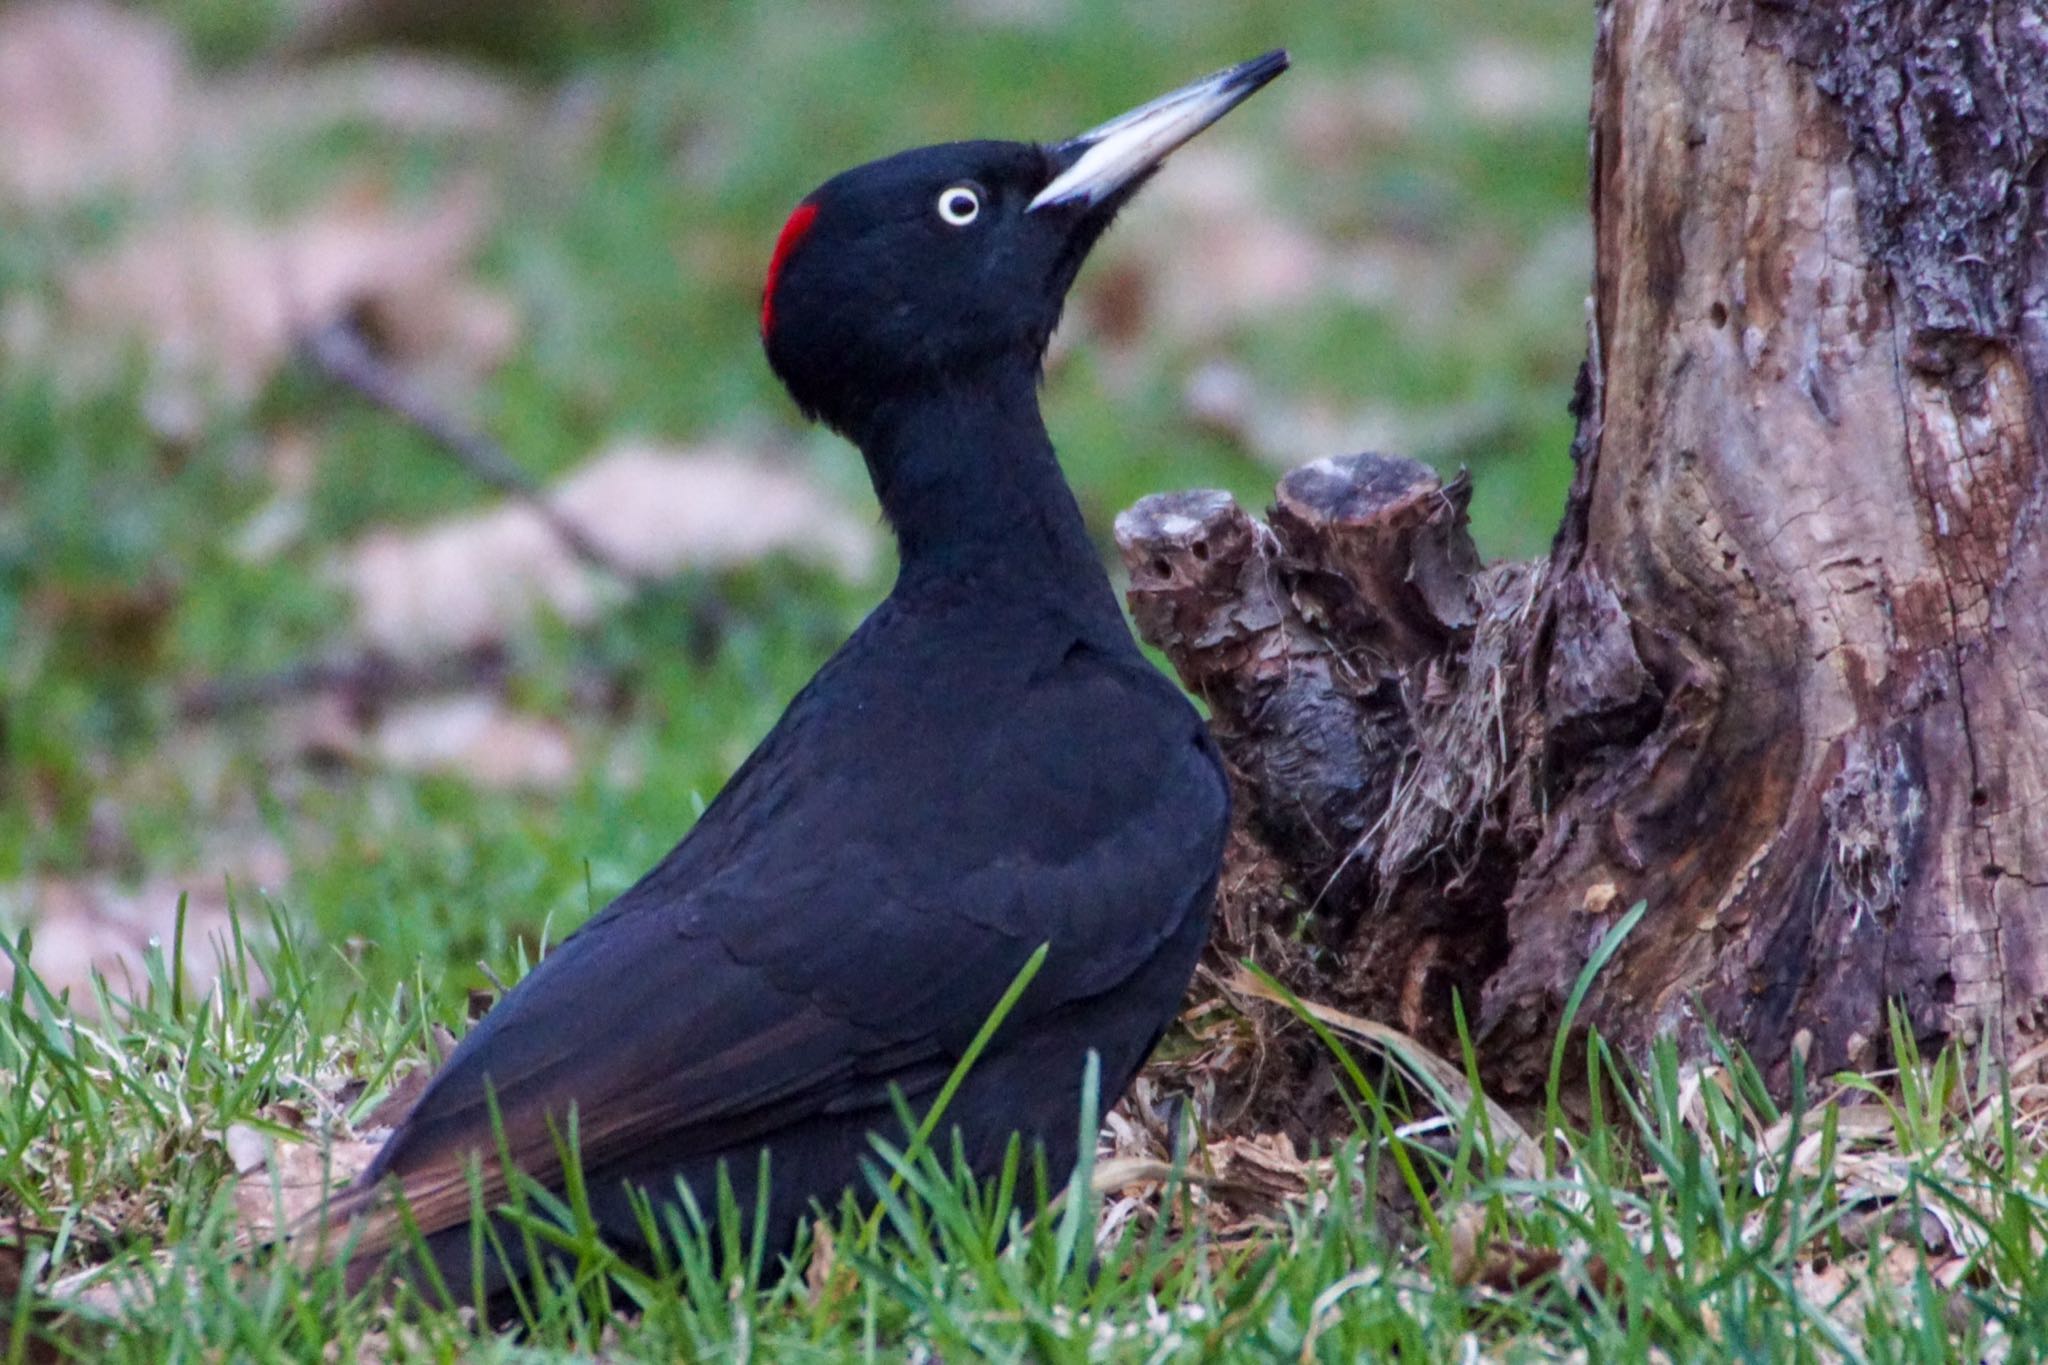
[
  {"x": 1328, "y": 649},
  {"x": 1301, "y": 637},
  {"x": 1813, "y": 454},
  {"x": 1782, "y": 676}
]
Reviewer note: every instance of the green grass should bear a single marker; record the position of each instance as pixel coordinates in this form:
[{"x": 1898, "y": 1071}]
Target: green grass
[{"x": 1687, "y": 1216}]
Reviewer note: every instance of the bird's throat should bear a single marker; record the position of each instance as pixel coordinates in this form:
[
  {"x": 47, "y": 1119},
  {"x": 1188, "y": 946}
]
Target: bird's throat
[{"x": 967, "y": 476}]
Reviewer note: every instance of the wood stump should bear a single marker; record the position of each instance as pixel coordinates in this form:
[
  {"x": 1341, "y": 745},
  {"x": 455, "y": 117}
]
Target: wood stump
[{"x": 1784, "y": 674}]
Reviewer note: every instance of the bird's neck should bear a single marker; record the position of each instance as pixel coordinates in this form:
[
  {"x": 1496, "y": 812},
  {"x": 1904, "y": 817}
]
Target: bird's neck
[{"x": 967, "y": 477}]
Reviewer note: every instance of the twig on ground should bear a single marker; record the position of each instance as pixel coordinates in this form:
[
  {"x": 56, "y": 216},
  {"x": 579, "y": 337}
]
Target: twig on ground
[
  {"x": 368, "y": 680},
  {"x": 339, "y": 352}
]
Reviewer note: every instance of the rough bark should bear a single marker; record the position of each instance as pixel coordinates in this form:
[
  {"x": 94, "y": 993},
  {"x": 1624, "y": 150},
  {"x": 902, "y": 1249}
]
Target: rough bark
[{"x": 1784, "y": 675}]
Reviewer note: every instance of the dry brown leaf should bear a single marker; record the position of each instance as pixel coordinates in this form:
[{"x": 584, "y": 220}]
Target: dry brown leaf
[
  {"x": 247, "y": 1147},
  {"x": 477, "y": 579},
  {"x": 1514, "y": 87},
  {"x": 101, "y": 97},
  {"x": 115, "y": 1289},
  {"x": 823, "y": 1267},
  {"x": 403, "y": 93},
  {"x": 474, "y": 735},
  {"x": 221, "y": 301},
  {"x": 1338, "y": 123},
  {"x": 1259, "y": 1173},
  {"x": 91, "y": 99},
  {"x": 293, "y": 1179},
  {"x": 1123, "y": 1172},
  {"x": 94, "y": 925},
  {"x": 658, "y": 511},
  {"x": 1286, "y": 430},
  {"x": 1505, "y": 1267},
  {"x": 1524, "y": 1157},
  {"x": 1856, "y": 1127}
]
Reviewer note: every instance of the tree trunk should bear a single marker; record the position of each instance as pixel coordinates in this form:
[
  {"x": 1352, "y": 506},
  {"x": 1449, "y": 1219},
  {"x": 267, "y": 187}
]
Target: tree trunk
[{"x": 1784, "y": 675}]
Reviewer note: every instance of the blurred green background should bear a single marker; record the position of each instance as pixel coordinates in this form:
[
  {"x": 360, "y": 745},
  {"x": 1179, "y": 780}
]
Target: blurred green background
[{"x": 1387, "y": 249}]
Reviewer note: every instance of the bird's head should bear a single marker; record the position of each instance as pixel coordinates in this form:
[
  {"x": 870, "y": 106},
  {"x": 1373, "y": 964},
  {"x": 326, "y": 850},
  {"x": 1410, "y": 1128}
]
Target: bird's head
[{"x": 928, "y": 268}]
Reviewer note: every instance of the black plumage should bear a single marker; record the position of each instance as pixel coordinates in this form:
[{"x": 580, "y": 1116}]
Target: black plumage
[{"x": 987, "y": 765}]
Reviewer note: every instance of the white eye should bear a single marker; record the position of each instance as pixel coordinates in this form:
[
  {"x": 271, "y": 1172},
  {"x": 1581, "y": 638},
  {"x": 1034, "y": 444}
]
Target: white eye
[{"x": 959, "y": 205}]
